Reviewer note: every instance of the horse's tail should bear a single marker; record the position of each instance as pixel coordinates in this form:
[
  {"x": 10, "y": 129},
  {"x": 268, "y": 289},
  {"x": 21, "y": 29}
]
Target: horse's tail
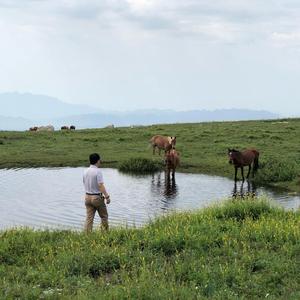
[{"x": 255, "y": 164}]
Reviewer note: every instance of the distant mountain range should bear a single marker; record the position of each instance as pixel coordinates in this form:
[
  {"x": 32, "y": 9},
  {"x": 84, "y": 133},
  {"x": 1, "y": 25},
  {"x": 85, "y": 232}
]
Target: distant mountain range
[
  {"x": 21, "y": 111},
  {"x": 39, "y": 107}
]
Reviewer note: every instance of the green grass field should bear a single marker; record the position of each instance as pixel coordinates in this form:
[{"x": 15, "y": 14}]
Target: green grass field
[
  {"x": 243, "y": 249},
  {"x": 203, "y": 147}
]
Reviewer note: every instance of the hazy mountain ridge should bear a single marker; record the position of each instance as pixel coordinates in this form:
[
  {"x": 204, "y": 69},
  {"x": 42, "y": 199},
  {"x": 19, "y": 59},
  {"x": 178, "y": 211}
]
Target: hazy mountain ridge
[
  {"x": 12, "y": 123},
  {"x": 21, "y": 111},
  {"x": 39, "y": 107}
]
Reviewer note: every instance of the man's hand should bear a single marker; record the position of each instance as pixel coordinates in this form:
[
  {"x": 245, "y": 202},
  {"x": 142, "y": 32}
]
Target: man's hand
[
  {"x": 107, "y": 198},
  {"x": 104, "y": 192}
]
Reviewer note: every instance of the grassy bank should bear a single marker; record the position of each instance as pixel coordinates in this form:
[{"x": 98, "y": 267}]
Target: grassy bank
[
  {"x": 203, "y": 147},
  {"x": 241, "y": 250}
]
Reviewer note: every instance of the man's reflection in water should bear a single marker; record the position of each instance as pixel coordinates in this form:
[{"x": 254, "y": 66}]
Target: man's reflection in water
[{"x": 247, "y": 189}]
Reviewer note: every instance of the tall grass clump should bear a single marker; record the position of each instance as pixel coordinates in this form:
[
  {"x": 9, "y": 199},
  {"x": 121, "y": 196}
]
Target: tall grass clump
[
  {"x": 140, "y": 166},
  {"x": 241, "y": 210},
  {"x": 274, "y": 170}
]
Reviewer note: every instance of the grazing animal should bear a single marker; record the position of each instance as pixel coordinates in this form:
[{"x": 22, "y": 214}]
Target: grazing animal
[
  {"x": 46, "y": 128},
  {"x": 111, "y": 126},
  {"x": 163, "y": 142},
  {"x": 35, "y": 128},
  {"x": 243, "y": 159},
  {"x": 72, "y": 127},
  {"x": 64, "y": 128},
  {"x": 172, "y": 161}
]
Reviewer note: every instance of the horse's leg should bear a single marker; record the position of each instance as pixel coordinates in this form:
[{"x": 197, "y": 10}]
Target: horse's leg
[
  {"x": 242, "y": 170},
  {"x": 168, "y": 174},
  {"x": 173, "y": 181},
  {"x": 154, "y": 149},
  {"x": 159, "y": 151},
  {"x": 249, "y": 171},
  {"x": 234, "y": 192},
  {"x": 235, "y": 173},
  {"x": 242, "y": 190}
]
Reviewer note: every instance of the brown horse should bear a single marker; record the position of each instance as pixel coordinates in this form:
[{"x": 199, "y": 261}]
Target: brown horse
[
  {"x": 172, "y": 161},
  {"x": 163, "y": 142},
  {"x": 243, "y": 159}
]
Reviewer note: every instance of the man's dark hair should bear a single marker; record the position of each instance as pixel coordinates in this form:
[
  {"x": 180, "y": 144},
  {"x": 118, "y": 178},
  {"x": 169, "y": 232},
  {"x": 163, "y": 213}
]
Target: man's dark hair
[{"x": 94, "y": 157}]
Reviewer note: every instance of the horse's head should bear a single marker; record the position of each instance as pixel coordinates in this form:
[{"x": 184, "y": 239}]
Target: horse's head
[
  {"x": 230, "y": 155},
  {"x": 172, "y": 141},
  {"x": 169, "y": 158}
]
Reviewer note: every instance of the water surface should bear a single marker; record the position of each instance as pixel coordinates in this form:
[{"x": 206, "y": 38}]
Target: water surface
[{"x": 53, "y": 198}]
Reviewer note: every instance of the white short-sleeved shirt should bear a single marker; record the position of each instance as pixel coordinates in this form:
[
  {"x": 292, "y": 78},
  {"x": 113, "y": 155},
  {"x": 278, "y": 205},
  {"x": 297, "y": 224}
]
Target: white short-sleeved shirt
[{"x": 92, "y": 176}]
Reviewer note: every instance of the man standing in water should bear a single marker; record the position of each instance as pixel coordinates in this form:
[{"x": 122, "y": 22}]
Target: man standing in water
[{"x": 95, "y": 194}]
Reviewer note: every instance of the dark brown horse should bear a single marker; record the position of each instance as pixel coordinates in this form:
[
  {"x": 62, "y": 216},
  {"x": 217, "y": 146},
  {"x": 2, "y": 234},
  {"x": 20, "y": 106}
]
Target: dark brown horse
[
  {"x": 172, "y": 161},
  {"x": 242, "y": 159}
]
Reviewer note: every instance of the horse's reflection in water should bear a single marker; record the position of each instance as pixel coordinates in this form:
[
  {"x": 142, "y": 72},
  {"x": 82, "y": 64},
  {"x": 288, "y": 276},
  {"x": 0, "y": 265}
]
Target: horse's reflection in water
[
  {"x": 247, "y": 189},
  {"x": 170, "y": 187},
  {"x": 166, "y": 187}
]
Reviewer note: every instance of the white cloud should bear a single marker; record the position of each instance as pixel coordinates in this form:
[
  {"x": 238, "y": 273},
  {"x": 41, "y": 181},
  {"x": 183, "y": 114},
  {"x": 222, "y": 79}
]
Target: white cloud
[
  {"x": 286, "y": 39},
  {"x": 151, "y": 50},
  {"x": 220, "y": 20}
]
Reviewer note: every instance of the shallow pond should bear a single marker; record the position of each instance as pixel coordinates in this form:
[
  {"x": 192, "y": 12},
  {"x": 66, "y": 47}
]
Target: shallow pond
[{"x": 53, "y": 198}]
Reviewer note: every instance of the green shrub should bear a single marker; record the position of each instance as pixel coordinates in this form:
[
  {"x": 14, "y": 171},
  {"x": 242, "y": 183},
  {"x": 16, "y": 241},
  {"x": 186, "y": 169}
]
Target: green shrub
[
  {"x": 241, "y": 210},
  {"x": 94, "y": 265},
  {"x": 274, "y": 170},
  {"x": 168, "y": 246},
  {"x": 140, "y": 166}
]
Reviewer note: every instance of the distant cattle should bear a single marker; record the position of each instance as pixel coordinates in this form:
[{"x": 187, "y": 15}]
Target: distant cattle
[
  {"x": 35, "y": 128},
  {"x": 46, "y": 128},
  {"x": 72, "y": 127},
  {"x": 163, "y": 143},
  {"x": 64, "y": 127},
  {"x": 136, "y": 126},
  {"x": 110, "y": 126}
]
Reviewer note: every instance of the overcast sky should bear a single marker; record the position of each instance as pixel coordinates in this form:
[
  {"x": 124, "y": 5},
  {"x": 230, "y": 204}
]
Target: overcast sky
[{"x": 137, "y": 54}]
